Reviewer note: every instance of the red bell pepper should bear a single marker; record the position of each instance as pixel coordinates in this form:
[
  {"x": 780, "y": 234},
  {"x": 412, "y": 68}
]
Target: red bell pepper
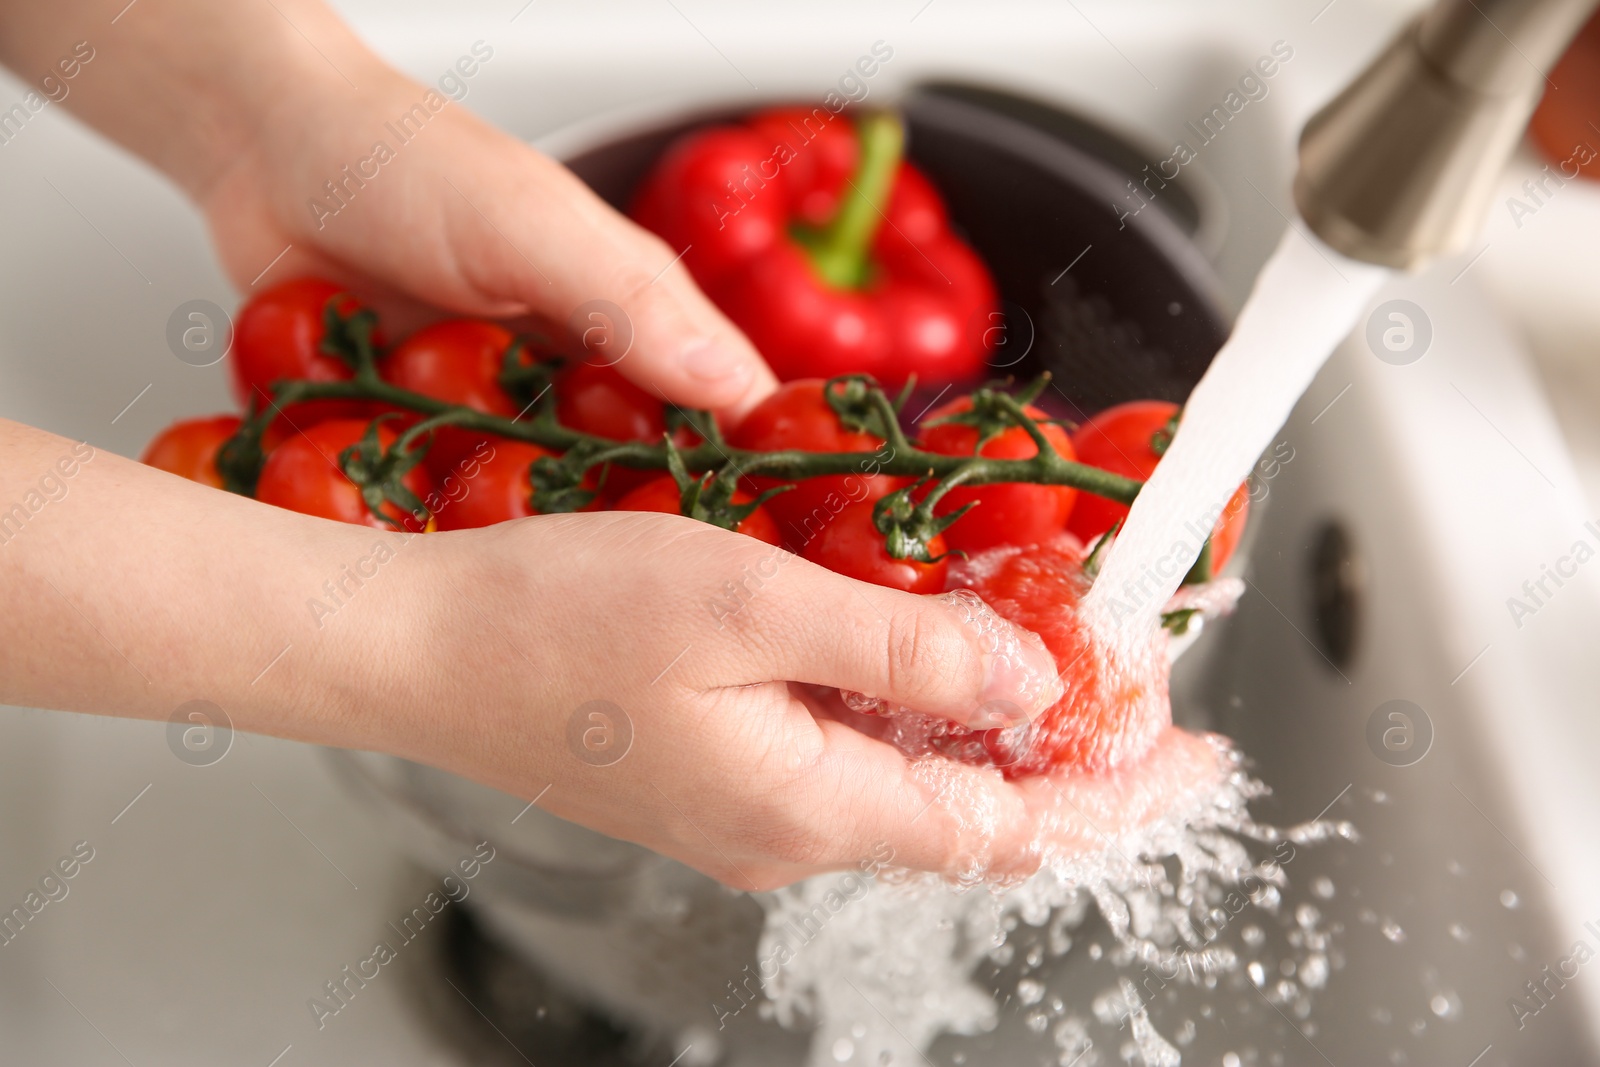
[{"x": 830, "y": 251}]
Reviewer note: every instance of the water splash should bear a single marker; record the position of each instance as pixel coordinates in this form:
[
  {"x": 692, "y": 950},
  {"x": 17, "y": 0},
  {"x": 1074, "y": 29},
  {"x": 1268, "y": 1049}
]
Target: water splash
[{"x": 893, "y": 969}]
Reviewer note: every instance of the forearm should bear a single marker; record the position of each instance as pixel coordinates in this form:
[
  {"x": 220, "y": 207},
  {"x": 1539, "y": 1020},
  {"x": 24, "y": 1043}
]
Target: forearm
[
  {"x": 186, "y": 84},
  {"x": 131, "y": 592}
]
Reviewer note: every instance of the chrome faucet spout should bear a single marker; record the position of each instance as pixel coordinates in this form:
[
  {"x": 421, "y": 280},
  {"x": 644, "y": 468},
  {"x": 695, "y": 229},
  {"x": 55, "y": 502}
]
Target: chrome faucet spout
[{"x": 1400, "y": 166}]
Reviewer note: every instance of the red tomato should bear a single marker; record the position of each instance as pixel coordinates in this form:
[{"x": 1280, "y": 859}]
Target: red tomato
[
  {"x": 279, "y": 335},
  {"x": 597, "y": 399},
  {"x": 458, "y": 360},
  {"x": 1119, "y": 440},
  {"x": 663, "y": 495},
  {"x": 1115, "y": 703},
  {"x": 1010, "y": 513},
  {"x": 188, "y": 448},
  {"x": 852, "y": 546},
  {"x": 489, "y": 485},
  {"x": 303, "y": 474},
  {"x": 797, "y": 416}
]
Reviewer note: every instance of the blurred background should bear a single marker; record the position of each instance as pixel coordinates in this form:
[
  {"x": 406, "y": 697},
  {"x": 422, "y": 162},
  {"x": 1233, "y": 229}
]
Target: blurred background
[{"x": 222, "y": 897}]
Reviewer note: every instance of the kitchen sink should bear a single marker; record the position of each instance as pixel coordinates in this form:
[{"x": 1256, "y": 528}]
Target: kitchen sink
[{"x": 1425, "y": 494}]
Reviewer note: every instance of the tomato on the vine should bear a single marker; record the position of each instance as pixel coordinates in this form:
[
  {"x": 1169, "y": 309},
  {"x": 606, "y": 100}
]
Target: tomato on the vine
[
  {"x": 1129, "y": 439},
  {"x": 1008, "y": 513},
  {"x": 496, "y": 485},
  {"x": 851, "y": 545},
  {"x": 799, "y": 417},
  {"x": 279, "y": 335},
  {"x": 663, "y": 495},
  {"x": 595, "y": 398},
  {"x": 1115, "y": 700},
  {"x": 459, "y": 361},
  {"x": 303, "y": 474},
  {"x": 188, "y": 448}
]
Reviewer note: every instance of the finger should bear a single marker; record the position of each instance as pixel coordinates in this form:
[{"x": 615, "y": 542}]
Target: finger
[
  {"x": 869, "y": 805},
  {"x": 949, "y": 655},
  {"x": 584, "y": 255}
]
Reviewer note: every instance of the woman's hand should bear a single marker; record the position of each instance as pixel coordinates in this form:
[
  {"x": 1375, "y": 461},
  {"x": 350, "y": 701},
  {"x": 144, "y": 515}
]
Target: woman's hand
[
  {"x": 476, "y": 650},
  {"x": 261, "y": 112},
  {"x": 647, "y": 676},
  {"x": 467, "y": 218}
]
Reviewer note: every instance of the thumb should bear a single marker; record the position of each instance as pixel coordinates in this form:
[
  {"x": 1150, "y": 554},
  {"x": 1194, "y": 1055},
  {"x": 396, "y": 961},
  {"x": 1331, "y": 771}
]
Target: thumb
[{"x": 949, "y": 655}]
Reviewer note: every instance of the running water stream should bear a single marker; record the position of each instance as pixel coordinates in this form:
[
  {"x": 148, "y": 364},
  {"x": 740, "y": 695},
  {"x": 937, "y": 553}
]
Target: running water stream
[
  {"x": 889, "y": 970},
  {"x": 1305, "y": 301}
]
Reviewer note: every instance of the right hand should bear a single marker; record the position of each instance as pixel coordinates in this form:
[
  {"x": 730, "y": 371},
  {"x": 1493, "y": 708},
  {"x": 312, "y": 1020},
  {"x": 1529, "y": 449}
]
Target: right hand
[{"x": 729, "y": 771}]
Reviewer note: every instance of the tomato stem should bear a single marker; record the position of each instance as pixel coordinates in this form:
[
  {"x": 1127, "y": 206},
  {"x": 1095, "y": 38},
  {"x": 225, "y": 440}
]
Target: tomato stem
[
  {"x": 897, "y": 458},
  {"x": 839, "y": 250}
]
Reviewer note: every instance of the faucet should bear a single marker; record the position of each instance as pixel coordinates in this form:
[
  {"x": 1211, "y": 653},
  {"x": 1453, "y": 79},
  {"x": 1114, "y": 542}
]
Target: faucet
[{"x": 1401, "y": 165}]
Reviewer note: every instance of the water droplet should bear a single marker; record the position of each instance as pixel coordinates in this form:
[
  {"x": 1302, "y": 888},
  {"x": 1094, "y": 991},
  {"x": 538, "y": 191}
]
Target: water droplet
[
  {"x": 1381, "y": 1016},
  {"x": 1418, "y": 1027},
  {"x": 1030, "y": 991},
  {"x": 1322, "y": 887},
  {"x": 1455, "y": 868},
  {"x": 843, "y": 1049},
  {"x": 1307, "y": 915},
  {"x": 1037, "y": 1021},
  {"x": 1392, "y": 931},
  {"x": 1095, "y": 951},
  {"x": 1445, "y": 1005},
  {"x": 1252, "y": 936},
  {"x": 1230, "y": 1059},
  {"x": 1460, "y": 933},
  {"x": 1509, "y": 899},
  {"x": 1314, "y": 971},
  {"x": 1516, "y": 952},
  {"x": 1258, "y": 973}
]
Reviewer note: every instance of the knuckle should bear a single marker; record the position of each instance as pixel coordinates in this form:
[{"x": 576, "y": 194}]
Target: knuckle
[{"x": 925, "y": 648}]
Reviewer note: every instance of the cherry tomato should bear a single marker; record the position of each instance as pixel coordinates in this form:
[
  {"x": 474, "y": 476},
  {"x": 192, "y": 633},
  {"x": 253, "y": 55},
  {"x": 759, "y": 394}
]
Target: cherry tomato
[
  {"x": 490, "y": 484},
  {"x": 797, "y": 416},
  {"x": 597, "y": 399},
  {"x": 458, "y": 360},
  {"x": 279, "y": 335},
  {"x": 663, "y": 495},
  {"x": 303, "y": 474},
  {"x": 188, "y": 448},
  {"x": 1119, "y": 439},
  {"x": 1009, "y": 513},
  {"x": 1115, "y": 702},
  {"x": 851, "y": 545}
]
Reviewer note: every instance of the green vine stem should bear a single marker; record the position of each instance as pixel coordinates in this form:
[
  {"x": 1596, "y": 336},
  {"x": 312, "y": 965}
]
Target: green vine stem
[{"x": 1048, "y": 467}]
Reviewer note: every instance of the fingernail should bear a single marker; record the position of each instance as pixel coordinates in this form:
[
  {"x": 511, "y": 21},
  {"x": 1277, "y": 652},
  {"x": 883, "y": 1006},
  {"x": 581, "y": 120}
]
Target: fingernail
[
  {"x": 709, "y": 360},
  {"x": 1020, "y": 679}
]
